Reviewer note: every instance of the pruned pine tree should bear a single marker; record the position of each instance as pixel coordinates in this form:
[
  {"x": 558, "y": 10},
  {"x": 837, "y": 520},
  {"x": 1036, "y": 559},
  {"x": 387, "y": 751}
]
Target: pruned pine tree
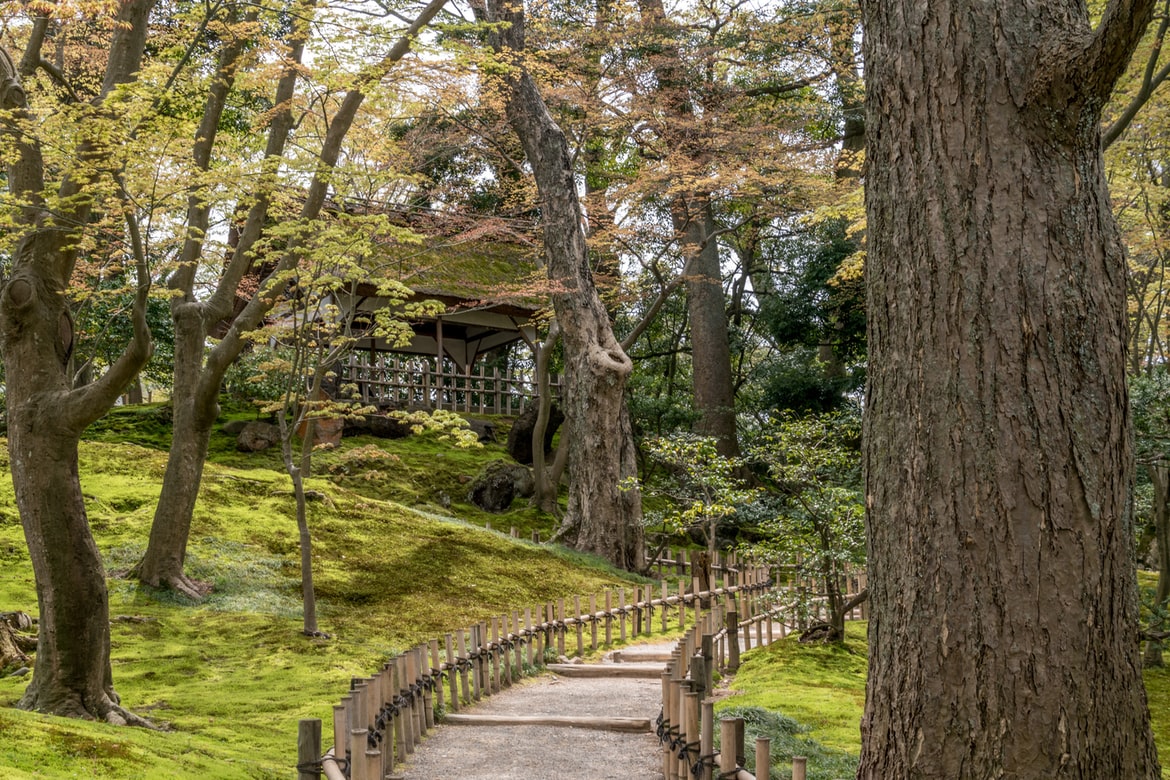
[{"x": 1003, "y": 637}]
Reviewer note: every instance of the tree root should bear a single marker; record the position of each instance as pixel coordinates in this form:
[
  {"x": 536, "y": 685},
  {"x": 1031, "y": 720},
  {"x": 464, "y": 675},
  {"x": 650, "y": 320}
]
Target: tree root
[{"x": 195, "y": 590}]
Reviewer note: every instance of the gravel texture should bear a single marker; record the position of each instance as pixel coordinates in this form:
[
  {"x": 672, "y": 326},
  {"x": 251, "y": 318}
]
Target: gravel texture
[{"x": 453, "y": 752}]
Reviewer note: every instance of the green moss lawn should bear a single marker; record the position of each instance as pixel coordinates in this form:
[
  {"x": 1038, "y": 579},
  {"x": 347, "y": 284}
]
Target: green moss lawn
[{"x": 400, "y": 557}]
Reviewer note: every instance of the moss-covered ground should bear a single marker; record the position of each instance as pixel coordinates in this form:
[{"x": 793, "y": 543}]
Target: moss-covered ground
[{"x": 399, "y": 557}]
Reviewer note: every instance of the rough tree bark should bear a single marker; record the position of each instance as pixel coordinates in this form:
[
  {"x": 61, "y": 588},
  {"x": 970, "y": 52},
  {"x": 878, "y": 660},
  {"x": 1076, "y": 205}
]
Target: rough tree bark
[
  {"x": 1003, "y": 638},
  {"x": 606, "y": 518},
  {"x": 72, "y": 676},
  {"x": 198, "y": 377}
]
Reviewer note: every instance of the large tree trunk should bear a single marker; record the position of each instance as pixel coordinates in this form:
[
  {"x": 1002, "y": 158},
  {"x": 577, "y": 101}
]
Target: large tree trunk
[
  {"x": 607, "y": 519},
  {"x": 1003, "y": 638}
]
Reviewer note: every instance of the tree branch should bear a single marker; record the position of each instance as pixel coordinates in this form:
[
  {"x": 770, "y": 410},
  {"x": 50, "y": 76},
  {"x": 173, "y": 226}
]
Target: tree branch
[
  {"x": 1104, "y": 59},
  {"x": 1150, "y": 82},
  {"x": 93, "y": 400}
]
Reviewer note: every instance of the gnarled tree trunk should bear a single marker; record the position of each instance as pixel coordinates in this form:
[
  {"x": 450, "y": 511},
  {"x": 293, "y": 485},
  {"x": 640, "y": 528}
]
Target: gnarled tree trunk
[
  {"x": 1003, "y": 638},
  {"x": 46, "y": 416},
  {"x": 606, "y": 518}
]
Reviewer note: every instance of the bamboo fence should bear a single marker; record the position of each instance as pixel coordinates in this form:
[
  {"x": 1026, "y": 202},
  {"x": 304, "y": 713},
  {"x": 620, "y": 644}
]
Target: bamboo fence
[{"x": 383, "y": 717}]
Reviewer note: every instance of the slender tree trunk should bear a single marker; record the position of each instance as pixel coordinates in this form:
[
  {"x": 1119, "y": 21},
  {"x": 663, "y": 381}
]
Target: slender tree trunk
[
  {"x": 1160, "y": 477},
  {"x": 694, "y": 222},
  {"x": 607, "y": 519},
  {"x": 710, "y": 348},
  {"x": 308, "y": 593},
  {"x": 1003, "y": 637},
  {"x": 193, "y": 414},
  {"x": 544, "y": 496},
  {"x": 198, "y": 378}
]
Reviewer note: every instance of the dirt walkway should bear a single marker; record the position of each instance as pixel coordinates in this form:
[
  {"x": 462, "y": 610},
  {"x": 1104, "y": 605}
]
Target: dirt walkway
[{"x": 480, "y": 752}]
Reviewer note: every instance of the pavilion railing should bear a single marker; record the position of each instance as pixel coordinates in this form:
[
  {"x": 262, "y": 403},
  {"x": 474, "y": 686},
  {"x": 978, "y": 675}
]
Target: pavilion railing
[{"x": 391, "y": 380}]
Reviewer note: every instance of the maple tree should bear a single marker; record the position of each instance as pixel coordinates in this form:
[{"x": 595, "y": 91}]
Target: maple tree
[{"x": 57, "y": 189}]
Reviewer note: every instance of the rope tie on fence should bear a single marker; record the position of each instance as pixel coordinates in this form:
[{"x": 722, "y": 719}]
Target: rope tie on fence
[
  {"x": 314, "y": 767},
  {"x": 373, "y": 737},
  {"x": 703, "y": 761},
  {"x": 686, "y": 748},
  {"x": 661, "y": 724}
]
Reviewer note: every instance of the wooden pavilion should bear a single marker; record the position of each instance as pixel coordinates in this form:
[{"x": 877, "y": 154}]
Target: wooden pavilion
[{"x": 486, "y": 276}]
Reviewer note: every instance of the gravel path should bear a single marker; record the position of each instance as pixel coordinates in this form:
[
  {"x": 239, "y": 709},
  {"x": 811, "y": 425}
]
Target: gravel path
[{"x": 453, "y": 752}]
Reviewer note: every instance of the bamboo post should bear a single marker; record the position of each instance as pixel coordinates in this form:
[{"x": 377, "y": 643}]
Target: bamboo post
[
  {"x": 560, "y": 628},
  {"x": 340, "y": 730},
  {"x": 473, "y": 654},
  {"x": 496, "y": 655},
  {"x": 682, "y": 603},
  {"x": 763, "y": 758},
  {"x": 461, "y": 643},
  {"x": 538, "y": 635},
  {"x": 740, "y": 751},
  {"x": 699, "y": 675},
  {"x": 437, "y": 673},
  {"x": 667, "y": 763},
  {"x": 407, "y": 714},
  {"x": 357, "y": 752},
  {"x": 593, "y": 621},
  {"x": 727, "y": 747},
  {"x": 691, "y": 729},
  {"x": 580, "y": 626},
  {"x": 799, "y": 768},
  {"x": 648, "y": 598},
  {"x": 681, "y": 689},
  {"x": 732, "y": 640},
  {"x": 671, "y": 707},
  {"x": 706, "y": 737},
  {"x": 428, "y": 690},
  {"x": 664, "y": 589},
  {"x": 622, "y": 613},
  {"x": 452, "y": 673},
  {"x": 308, "y": 748},
  {"x": 608, "y": 618},
  {"x": 528, "y": 635},
  {"x": 400, "y": 730},
  {"x": 519, "y": 645}
]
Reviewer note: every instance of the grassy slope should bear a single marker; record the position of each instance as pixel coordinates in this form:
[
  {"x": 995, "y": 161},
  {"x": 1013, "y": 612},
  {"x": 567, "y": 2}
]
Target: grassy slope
[
  {"x": 232, "y": 677},
  {"x": 823, "y": 687}
]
